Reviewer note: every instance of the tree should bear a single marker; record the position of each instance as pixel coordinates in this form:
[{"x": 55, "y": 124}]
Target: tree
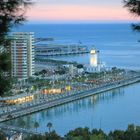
[
  {"x": 11, "y": 15},
  {"x": 79, "y": 66},
  {"x": 134, "y": 8},
  {"x": 52, "y": 136},
  {"x": 2, "y": 136},
  {"x": 22, "y": 122},
  {"x": 117, "y": 135},
  {"x": 82, "y": 133},
  {"x": 49, "y": 125},
  {"x": 35, "y": 137},
  {"x": 5, "y": 67},
  {"x": 28, "y": 90},
  {"x": 36, "y": 125}
]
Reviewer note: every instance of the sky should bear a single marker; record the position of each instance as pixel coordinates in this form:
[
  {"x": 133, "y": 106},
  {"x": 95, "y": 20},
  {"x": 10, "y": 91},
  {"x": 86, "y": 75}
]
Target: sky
[{"x": 86, "y": 11}]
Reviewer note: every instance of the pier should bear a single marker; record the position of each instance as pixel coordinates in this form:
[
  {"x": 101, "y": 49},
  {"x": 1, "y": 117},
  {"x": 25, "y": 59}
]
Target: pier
[
  {"x": 69, "y": 98},
  {"x": 57, "y": 49}
]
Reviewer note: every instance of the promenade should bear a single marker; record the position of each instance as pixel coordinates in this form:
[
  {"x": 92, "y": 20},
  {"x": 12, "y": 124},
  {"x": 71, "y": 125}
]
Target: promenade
[
  {"x": 19, "y": 130},
  {"x": 45, "y": 104}
]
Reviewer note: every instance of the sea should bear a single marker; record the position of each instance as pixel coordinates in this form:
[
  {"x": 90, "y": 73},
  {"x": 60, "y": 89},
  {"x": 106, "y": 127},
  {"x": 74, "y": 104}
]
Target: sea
[
  {"x": 117, "y": 43},
  {"x": 119, "y": 46}
]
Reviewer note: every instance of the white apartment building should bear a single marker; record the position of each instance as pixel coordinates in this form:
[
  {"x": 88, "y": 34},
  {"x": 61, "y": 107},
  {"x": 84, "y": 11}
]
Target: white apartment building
[{"x": 22, "y": 55}]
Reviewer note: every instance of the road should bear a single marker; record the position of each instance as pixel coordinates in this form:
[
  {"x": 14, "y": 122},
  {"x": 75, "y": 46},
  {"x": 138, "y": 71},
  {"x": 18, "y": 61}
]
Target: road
[{"x": 68, "y": 98}]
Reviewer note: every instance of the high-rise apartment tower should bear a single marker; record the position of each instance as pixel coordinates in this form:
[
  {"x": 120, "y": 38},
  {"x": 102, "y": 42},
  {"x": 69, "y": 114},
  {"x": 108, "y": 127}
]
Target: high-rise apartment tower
[{"x": 22, "y": 55}]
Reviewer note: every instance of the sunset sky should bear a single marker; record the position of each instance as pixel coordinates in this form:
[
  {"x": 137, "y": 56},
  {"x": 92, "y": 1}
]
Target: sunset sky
[{"x": 56, "y": 11}]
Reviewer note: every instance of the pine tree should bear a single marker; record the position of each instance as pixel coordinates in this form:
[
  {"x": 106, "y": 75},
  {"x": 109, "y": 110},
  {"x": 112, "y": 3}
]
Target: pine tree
[
  {"x": 11, "y": 15},
  {"x": 134, "y": 8}
]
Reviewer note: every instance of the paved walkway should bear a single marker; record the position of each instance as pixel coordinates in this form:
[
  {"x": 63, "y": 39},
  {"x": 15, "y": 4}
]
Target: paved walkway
[
  {"x": 18, "y": 129},
  {"x": 71, "y": 97}
]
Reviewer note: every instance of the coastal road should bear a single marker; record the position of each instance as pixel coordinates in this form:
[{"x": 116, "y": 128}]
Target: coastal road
[{"x": 69, "y": 98}]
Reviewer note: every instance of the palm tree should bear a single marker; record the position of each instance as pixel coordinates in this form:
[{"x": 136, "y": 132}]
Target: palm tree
[
  {"x": 22, "y": 122},
  {"x": 49, "y": 125},
  {"x": 2, "y": 135},
  {"x": 36, "y": 125},
  {"x": 27, "y": 90}
]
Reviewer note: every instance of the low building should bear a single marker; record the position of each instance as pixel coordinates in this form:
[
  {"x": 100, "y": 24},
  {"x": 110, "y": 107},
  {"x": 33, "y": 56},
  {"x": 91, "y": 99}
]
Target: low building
[
  {"x": 17, "y": 99},
  {"x": 56, "y": 90},
  {"x": 91, "y": 69},
  {"x": 51, "y": 91}
]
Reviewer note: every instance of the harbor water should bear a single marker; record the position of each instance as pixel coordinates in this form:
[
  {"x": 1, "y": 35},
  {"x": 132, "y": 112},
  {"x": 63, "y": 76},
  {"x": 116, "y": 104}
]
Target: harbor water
[
  {"x": 111, "y": 110},
  {"x": 117, "y": 43}
]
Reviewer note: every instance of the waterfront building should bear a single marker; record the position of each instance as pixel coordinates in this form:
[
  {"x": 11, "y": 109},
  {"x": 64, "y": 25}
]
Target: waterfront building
[
  {"x": 56, "y": 90},
  {"x": 22, "y": 55},
  {"x": 52, "y": 91},
  {"x": 18, "y": 99},
  {"x": 90, "y": 69}
]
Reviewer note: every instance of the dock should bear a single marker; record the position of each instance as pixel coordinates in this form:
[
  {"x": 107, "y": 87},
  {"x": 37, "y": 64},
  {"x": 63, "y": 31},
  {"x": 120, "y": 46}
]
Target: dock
[{"x": 42, "y": 50}]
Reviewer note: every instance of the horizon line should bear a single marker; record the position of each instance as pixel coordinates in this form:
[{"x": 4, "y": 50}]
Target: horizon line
[{"x": 81, "y": 22}]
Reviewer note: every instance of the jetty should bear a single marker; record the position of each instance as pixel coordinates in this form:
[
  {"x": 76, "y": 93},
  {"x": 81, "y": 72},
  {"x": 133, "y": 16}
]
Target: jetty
[{"x": 58, "y": 49}]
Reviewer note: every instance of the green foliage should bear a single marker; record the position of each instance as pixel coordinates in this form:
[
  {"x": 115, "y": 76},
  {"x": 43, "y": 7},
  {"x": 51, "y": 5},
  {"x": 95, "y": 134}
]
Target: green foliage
[
  {"x": 97, "y": 132},
  {"x": 136, "y": 27},
  {"x": 2, "y": 136},
  {"x": 132, "y": 133},
  {"x": 36, "y": 125},
  {"x": 11, "y": 15},
  {"x": 5, "y": 67},
  {"x": 98, "y": 137},
  {"x": 21, "y": 122},
  {"x": 49, "y": 125},
  {"x": 52, "y": 136},
  {"x": 80, "y": 66},
  {"x": 35, "y": 137},
  {"x": 117, "y": 135},
  {"x": 134, "y": 8},
  {"x": 84, "y": 133},
  {"x": 5, "y": 84},
  {"x": 47, "y": 136},
  {"x": 5, "y": 64}
]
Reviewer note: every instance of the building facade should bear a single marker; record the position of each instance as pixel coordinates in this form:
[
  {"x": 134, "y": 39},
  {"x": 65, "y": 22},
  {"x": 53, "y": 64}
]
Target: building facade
[{"x": 22, "y": 55}]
